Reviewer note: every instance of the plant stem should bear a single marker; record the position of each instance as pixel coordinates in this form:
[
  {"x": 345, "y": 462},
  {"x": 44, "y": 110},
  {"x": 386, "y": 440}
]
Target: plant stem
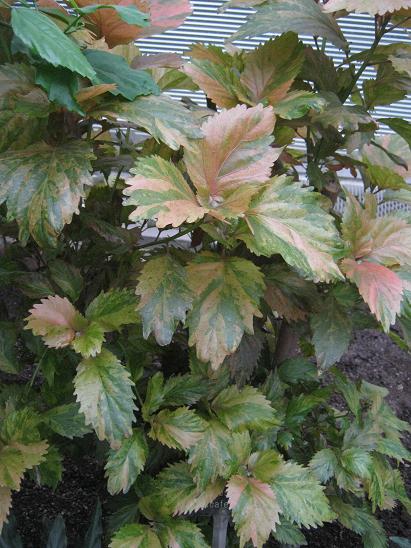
[
  {"x": 170, "y": 238},
  {"x": 221, "y": 518}
]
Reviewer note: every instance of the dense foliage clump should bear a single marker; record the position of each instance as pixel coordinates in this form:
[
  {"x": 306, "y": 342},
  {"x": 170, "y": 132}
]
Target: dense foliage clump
[{"x": 194, "y": 359}]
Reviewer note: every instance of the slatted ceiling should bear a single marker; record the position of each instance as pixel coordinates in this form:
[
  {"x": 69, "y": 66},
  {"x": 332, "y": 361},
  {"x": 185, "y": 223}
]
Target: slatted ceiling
[{"x": 207, "y": 25}]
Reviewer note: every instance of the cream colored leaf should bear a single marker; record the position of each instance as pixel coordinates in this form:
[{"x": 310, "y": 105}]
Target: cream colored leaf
[
  {"x": 56, "y": 320},
  {"x": 226, "y": 293},
  {"x": 235, "y": 151},
  {"x": 161, "y": 193},
  {"x": 373, "y": 7},
  {"x": 254, "y": 508},
  {"x": 287, "y": 218}
]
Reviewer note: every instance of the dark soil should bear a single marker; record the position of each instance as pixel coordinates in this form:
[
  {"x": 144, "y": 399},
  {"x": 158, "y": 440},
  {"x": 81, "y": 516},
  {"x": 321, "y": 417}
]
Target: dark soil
[
  {"x": 75, "y": 498},
  {"x": 372, "y": 356}
]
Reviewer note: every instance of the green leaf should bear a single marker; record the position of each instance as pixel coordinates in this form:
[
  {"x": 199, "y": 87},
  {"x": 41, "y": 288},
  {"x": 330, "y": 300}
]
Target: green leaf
[
  {"x": 51, "y": 469},
  {"x": 67, "y": 421},
  {"x": 299, "y": 369},
  {"x": 67, "y": 277},
  {"x": 254, "y": 508},
  {"x": 129, "y": 14},
  {"x": 288, "y": 219},
  {"x": 332, "y": 329},
  {"x": 94, "y": 535},
  {"x": 125, "y": 464},
  {"x": 103, "y": 389},
  {"x": 300, "y": 495},
  {"x": 299, "y": 16},
  {"x": 135, "y": 536},
  {"x": 263, "y": 464},
  {"x": 288, "y": 533},
  {"x": 8, "y": 356},
  {"x": 154, "y": 395},
  {"x": 89, "y": 340},
  {"x": 113, "y": 309},
  {"x": 226, "y": 292},
  {"x": 243, "y": 362},
  {"x": 44, "y": 38},
  {"x": 184, "y": 390},
  {"x": 180, "y": 534},
  {"x": 52, "y": 181},
  {"x": 247, "y": 407},
  {"x": 393, "y": 448},
  {"x": 113, "y": 69},
  {"x": 360, "y": 520},
  {"x": 23, "y": 107},
  {"x": 400, "y": 126},
  {"x": 297, "y": 104},
  {"x": 179, "y": 492},
  {"x": 61, "y": 86},
  {"x": 164, "y": 297},
  {"x": 382, "y": 177},
  {"x": 180, "y": 429},
  {"x": 324, "y": 464},
  {"x": 356, "y": 461},
  {"x": 211, "y": 456},
  {"x": 163, "y": 118},
  {"x": 299, "y": 406}
]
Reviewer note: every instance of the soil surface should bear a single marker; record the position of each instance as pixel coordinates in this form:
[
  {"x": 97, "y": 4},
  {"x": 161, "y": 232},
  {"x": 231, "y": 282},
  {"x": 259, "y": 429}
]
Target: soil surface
[{"x": 372, "y": 356}]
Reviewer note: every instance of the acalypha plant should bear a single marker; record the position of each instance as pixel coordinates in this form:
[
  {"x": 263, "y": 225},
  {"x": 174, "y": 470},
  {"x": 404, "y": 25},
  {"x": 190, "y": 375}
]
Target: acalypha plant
[{"x": 179, "y": 282}]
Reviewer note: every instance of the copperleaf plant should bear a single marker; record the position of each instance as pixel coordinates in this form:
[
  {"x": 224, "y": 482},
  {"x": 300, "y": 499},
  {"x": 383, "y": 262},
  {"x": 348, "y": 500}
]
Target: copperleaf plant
[{"x": 194, "y": 358}]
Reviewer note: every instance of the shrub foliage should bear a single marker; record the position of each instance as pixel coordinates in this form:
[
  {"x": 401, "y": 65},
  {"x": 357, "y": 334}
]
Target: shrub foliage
[{"x": 178, "y": 281}]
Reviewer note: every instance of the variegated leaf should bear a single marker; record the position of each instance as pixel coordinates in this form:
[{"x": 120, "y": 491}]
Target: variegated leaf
[
  {"x": 300, "y": 495},
  {"x": 270, "y": 69},
  {"x": 164, "y": 15},
  {"x": 42, "y": 186},
  {"x": 103, "y": 389},
  {"x": 125, "y": 464},
  {"x": 135, "y": 535},
  {"x": 380, "y": 287},
  {"x": 246, "y": 407},
  {"x": 178, "y": 533},
  {"x": 56, "y": 320},
  {"x": 373, "y": 7},
  {"x": 179, "y": 429},
  {"x": 216, "y": 76},
  {"x": 287, "y": 218},
  {"x": 161, "y": 193},
  {"x": 164, "y": 297},
  {"x": 180, "y": 493},
  {"x": 235, "y": 151},
  {"x": 226, "y": 293},
  {"x": 299, "y": 16},
  {"x": 23, "y": 107},
  {"x": 254, "y": 508},
  {"x": 163, "y": 118},
  {"x": 210, "y": 457}
]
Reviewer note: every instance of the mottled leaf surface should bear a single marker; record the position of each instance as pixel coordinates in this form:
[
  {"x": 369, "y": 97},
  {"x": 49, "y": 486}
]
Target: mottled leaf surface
[
  {"x": 160, "y": 192},
  {"x": 125, "y": 464},
  {"x": 181, "y": 534},
  {"x": 235, "y": 151},
  {"x": 43, "y": 185},
  {"x": 103, "y": 389},
  {"x": 299, "y": 16},
  {"x": 226, "y": 298},
  {"x": 288, "y": 219},
  {"x": 373, "y": 7},
  {"x": 135, "y": 535},
  {"x": 56, "y": 320},
  {"x": 178, "y": 429},
  {"x": 164, "y": 297},
  {"x": 163, "y": 118},
  {"x": 254, "y": 509}
]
